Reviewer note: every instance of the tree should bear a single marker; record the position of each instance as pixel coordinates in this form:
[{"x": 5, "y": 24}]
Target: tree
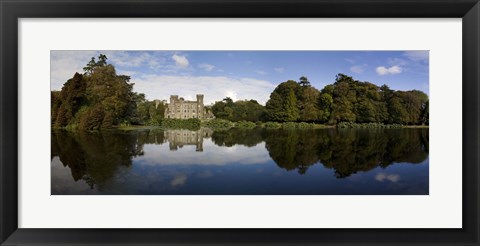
[
  {"x": 308, "y": 104},
  {"x": 425, "y": 113},
  {"x": 325, "y": 104},
  {"x": 274, "y": 107},
  {"x": 90, "y": 66},
  {"x": 397, "y": 111},
  {"x": 290, "y": 107},
  {"x": 282, "y": 105},
  {"x": 55, "y": 105},
  {"x": 99, "y": 98},
  {"x": 304, "y": 82}
]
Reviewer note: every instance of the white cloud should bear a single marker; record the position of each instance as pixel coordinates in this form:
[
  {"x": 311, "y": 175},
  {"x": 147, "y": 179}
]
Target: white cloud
[
  {"x": 279, "y": 69},
  {"x": 391, "y": 70},
  {"x": 260, "y": 72},
  {"x": 64, "y": 64},
  {"x": 358, "y": 68},
  {"x": 127, "y": 72},
  {"x": 397, "y": 61},
  {"x": 180, "y": 61},
  {"x": 385, "y": 176},
  {"x": 126, "y": 59},
  {"x": 417, "y": 55},
  {"x": 206, "y": 67},
  {"x": 215, "y": 88},
  {"x": 179, "y": 179},
  {"x": 349, "y": 60}
]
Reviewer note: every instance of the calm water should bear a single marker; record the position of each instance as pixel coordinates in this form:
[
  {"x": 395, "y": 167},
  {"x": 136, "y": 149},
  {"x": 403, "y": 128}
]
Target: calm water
[{"x": 247, "y": 162}]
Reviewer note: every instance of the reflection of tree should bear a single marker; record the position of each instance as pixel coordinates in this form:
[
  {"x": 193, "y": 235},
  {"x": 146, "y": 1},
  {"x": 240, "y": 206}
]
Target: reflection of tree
[
  {"x": 292, "y": 149},
  {"x": 230, "y": 137},
  {"x": 95, "y": 157},
  {"x": 350, "y": 151},
  {"x": 347, "y": 151}
]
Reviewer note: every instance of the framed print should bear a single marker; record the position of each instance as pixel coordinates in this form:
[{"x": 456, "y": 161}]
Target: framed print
[{"x": 266, "y": 122}]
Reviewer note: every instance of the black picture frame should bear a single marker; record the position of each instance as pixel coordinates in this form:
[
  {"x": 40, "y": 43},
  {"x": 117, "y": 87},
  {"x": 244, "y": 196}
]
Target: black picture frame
[{"x": 11, "y": 11}]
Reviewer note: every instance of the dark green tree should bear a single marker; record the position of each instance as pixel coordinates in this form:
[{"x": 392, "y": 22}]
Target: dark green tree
[
  {"x": 282, "y": 105},
  {"x": 303, "y": 81}
]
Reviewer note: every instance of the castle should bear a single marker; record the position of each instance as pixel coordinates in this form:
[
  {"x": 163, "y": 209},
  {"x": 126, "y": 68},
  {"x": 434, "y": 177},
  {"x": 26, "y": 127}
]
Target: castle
[{"x": 179, "y": 108}]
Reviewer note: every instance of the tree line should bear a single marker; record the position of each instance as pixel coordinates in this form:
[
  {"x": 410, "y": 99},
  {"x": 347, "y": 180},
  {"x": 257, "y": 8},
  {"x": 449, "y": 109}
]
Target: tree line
[
  {"x": 346, "y": 100},
  {"x": 100, "y": 98}
]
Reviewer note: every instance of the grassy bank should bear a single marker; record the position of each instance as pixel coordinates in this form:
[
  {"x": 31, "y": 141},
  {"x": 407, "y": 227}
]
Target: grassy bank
[{"x": 221, "y": 124}]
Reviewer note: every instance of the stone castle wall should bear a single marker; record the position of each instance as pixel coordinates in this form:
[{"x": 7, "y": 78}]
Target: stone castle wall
[{"x": 179, "y": 108}]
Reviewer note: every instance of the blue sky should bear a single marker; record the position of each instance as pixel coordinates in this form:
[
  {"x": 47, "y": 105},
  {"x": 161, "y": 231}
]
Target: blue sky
[{"x": 247, "y": 74}]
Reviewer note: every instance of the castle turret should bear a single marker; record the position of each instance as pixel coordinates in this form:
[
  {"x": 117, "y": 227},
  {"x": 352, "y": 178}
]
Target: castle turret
[
  {"x": 173, "y": 98},
  {"x": 200, "y": 108}
]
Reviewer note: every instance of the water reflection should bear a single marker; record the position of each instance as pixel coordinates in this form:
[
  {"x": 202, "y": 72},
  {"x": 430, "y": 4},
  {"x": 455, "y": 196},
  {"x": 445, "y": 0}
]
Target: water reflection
[
  {"x": 241, "y": 161},
  {"x": 179, "y": 138}
]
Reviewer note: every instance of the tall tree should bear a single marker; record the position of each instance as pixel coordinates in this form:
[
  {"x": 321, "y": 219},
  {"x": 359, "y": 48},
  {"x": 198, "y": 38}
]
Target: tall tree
[
  {"x": 282, "y": 105},
  {"x": 304, "y": 81}
]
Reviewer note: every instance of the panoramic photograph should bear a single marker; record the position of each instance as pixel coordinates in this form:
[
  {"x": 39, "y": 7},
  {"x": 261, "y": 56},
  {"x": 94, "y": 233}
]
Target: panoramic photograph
[{"x": 188, "y": 122}]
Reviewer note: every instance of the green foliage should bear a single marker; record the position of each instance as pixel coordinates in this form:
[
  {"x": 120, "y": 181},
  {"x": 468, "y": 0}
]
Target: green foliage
[
  {"x": 190, "y": 124},
  {"x": 149, "y": 112},
  {"x": 245, "y": 124},
  {"x": 305, "y": 125},
  {"x": 92, "y": 119},
  {"x": 247, "y": 110},
  {"x": 349, "y": 100},
  {"x": 367, "y": 125},
  {"x": 299, "y": 125},
  {"x": 282, "y": 106},
  {"x": 308, "y": 104},
  {"x": 218, "y": 124},
  {"x": 425, "y": 113},
  {"x": 303, "y": 81},
  {"x": 272, "y": 125},
  {"x": 106, "y": 99},
  {"x": 289, "y": 125}
]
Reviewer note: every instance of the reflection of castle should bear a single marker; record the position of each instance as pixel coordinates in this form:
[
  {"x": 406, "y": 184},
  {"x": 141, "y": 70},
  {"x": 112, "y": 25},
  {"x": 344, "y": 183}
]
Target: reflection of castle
[
  {"x": 179, "y": 108},
  {"x": 179, "y": 138}
]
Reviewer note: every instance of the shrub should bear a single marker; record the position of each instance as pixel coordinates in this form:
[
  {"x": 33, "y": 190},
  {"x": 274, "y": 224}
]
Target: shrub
[
  {"x": 218, "y": 124},
  {"x": 246, "y": 124},
  {"x": 305, "y": 125},
  {"x": 289, "y": 125},
  {"x": 272, "y": 125},
  {"x": 190, "y": 124},
  {"x": 367, "y": 125}
]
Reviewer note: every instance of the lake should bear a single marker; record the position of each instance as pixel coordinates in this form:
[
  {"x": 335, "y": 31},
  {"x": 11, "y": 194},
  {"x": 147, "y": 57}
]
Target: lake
[{"x": 241, "y": 162}]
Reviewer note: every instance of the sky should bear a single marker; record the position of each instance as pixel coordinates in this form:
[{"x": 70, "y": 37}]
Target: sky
[{"x": 247, "y": 75}]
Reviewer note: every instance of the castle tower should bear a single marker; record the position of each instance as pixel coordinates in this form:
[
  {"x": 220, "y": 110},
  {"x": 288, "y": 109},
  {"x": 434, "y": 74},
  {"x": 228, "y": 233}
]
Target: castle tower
[
  {"x": 200, "y": 108},
  {"x": 170, "y": 112},
  {"x": 173, "y": 98}
]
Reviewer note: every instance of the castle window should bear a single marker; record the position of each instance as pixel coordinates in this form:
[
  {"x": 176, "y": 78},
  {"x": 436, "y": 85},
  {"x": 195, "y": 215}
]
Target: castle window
[{"x": 194, "y": 110}]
